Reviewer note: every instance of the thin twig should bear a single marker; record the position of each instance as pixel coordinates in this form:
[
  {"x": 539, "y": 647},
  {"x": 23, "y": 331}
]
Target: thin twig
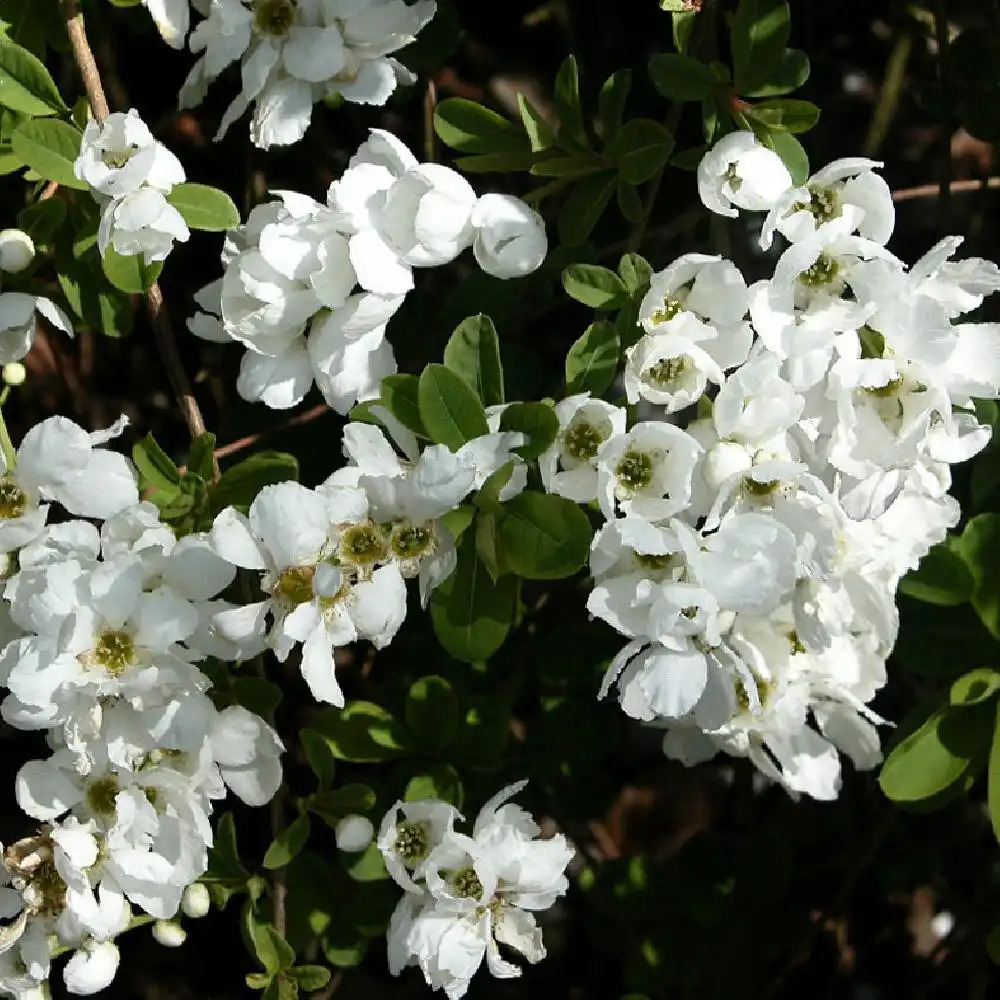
[
  {"x": 430, "y": 106},
  {"x": 83, "y": 55},
  {"x": 932, "y": 190},
  {"x": 305, "y": 417},
  {"x": 941, "y": 31}
]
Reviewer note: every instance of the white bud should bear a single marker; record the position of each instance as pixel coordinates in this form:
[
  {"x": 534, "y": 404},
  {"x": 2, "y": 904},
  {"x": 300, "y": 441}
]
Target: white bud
[
  {"x": 195, "y": 902},
  {"x": 17, "y": 250},
  {"x": 169, "y": 933},
  {"x": 354, "y": 834},
  {"x": 724, "y": 460},
  {"x": 510, "y": 236},
  {"x": 14, "y": 373}
]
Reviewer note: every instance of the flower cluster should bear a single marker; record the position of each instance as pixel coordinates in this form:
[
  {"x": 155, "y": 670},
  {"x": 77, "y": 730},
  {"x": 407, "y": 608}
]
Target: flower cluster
[
  {"x": 130, "y": 175},
  {"x": 19, "y": 311},
  {"x": 466, "y": 895},
  {"x": 309, "y": 288},
  {"x": 293, "y": 53},
  {"x": 334, "y": 560},
  {"x": 102, "y": 630},
  {"x": 751, "y": 556}
]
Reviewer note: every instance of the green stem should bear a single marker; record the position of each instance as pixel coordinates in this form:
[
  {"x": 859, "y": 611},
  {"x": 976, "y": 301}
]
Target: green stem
[{"x": 6, "y": 445}]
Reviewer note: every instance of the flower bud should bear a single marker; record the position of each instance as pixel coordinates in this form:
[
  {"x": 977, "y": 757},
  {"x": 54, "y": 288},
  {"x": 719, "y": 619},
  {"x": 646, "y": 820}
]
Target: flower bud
[
  {"x": 723, "y": 461},
  {"x": 740, "y": 172},
  {"x": 195, "y": 902},
  {"x": 354, "y": 834},
  {"x": 14, "y": 373},
  {"x": 510, "y": 237},
  {"x": 17, "y": 250},
  {"x": 169, "y": 933}
]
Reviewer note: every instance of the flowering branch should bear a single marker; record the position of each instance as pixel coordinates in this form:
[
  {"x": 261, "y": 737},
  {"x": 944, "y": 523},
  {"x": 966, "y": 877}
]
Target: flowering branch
[{"x": 83, "y": 55}]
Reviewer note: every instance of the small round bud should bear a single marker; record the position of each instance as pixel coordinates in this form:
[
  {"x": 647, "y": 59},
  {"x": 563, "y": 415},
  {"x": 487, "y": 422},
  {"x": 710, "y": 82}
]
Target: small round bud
[
  {"x": 195, "y": 902},
  {"x": 169, "y": 933},
  {"x": 14, "y": 373},
  {"x": 354, "y": 834},
  {"x": 17, "y": 250}
]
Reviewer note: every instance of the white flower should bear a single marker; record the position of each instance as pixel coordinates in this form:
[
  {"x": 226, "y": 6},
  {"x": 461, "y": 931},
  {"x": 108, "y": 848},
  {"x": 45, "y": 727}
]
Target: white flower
[
  {"x": 142, "y": 222},
  {"x": 18, "y": 322},
  {"x": 172, "y": 19},
  {"x": 91, "y": 968},
  {"x": 510, "y": 237},
  {"x": 739, "y": 172},
  {"x": 409, "y": 832}
]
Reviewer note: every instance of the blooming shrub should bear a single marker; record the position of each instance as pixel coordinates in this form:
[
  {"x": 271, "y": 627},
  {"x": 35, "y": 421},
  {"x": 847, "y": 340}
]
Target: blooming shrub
[{"x": 740, "y": 469}]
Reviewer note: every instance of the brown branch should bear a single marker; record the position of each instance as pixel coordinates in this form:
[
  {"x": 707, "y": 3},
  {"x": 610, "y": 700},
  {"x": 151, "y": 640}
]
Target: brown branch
[
  {"x": 305, "y": 417},
  {"x": 932, "y": 190},
  {"x": 83, "y": 55}
]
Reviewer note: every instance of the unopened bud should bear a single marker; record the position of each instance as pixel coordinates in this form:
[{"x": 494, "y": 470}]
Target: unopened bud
[
  {"x": 14, "y": 373},
  {"x": 195, "y": 902},
  {"x": 354, "y": 834},
  {"x": 169, "y": 933},
  {"x": 17, "y": 250}
]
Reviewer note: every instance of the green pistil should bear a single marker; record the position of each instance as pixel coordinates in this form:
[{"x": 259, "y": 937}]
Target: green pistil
[
  {"x": 114, "y": 651},
  {"x": 410, "y": 541},
  {"x": 886, "y": 391},
  {"x": 274, "y": 17},
  {"x": 582, "y": 441},
  {"x": 823, "y": 205},
  {"x": 295, "y": 584},
  {"x": 759, "y": 489},
  {"x": 467, "y": 885},
  {"x": 764, "y": 689},
  {"x": 635, "y": 470},
  {"x": 823, "y": 272},
  {"x": 665, "y": 372},
  {"x": 101, "y": 795},
  {"x": 364, "y": 545},
  {"x": 412, "y": 843},
  {"x": 669, "y": 309},
  {"x": 117, "y": 159},
  {"x": 13, "y": 500},
  {"x": 651, "y": 562}
]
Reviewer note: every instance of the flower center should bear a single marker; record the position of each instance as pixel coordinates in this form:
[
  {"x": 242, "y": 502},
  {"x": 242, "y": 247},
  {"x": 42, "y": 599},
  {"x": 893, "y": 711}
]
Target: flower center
[
  {"x": 364, "y": 544},
  {"x": 663, "y": 373},
  {"x": 117, "y": 158},
  {"x": 764, "y": 689},
  {"x": 758, "y": 489},
  {"x": 274, "y": 17},
  {"x": 410, "y": 541},
  {"x": 412, "y": 842},
  {"x": 582, "y": 440},
  {"x": 886, "y": 391},
  {"x": 114, "y": 651},
  {"x": 823, "y": 204},
  {"x": 635, "y": 470},
  {"x": 295, "y": 584},
  {"x": 101, "y": 795},
  {"x": 466, "y": 884},
  {"x": 651, "y": 562},
  {"x": 13, "y": 500},
  {"x": 823, "y": 272},
  {"x": 670, "y": 308}
]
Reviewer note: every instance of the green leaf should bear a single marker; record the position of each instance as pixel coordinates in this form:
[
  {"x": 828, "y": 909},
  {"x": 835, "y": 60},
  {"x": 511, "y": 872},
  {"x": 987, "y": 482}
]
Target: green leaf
[
  {"x": 200, "y": 455},
  {"x": 538, "y": 421},
  {"x": 362, "y": 732},
  {"x": 974, "y": 687},
  {"x": 25, "y": 83},
  {"x": 129, "y": 274},
  {"x": 273, "y": 952},
  {"x": 49, "y": 148},
  {"x": 785, "y": 115},
  {"x": 288, "y": 843},
  {"x": 348, "y": 800},
  {"x": 759, "y": 35},
  {"x": 629, "y": 202},
  {"x": 541, "y": 136},
  {"x": 794, "y": 156},
  {"x": 593, "y": 360},
  {"x": 597, "y": 287},
  {"x": 224, "y": 863},
  {"x": 576, "y": 165},
  {"x": 240, "y": 483},
  {"x": 257, "y": 980},
  {"x": 437, "y": 781},
  {"x": 258, "y": 695},
  {"x": 585, "y": 205},
  {"x": 941, "y": 578},
  {"x": 611, "y": 103},
  {"x": 496, "y": 163},
  {"x": 933, "y": 757},
  {"x": 636, "y": 272},
  {"x": 310, "y": 977},
  {"x": 470, "y": 612},
  {"x": 568, "y": 106},
  {"x": 993, "y": 783},
  {"x": 42, "y": 220},
  {"x": 978, "y": 546},
  {"x": 487, "y": 536},
  {"x": 399, "y": 396},
  {"x": 204, "y": 207},
  {"x": 488, "y": 497},
  {"x": 432, "y": 712},
  {"x": 449, "y": 407},
  {"x": 155, "y": 466},
  {"x": 471, "y": 128},
  {"x": 319, "y": 755},
  {"x": 543, "y": 536},
  {"x": 681, "y": 78},
  {"x": 473, "y": 351},
  {"x": 789, "y": 74},
  {"x": 641, "y": 148}
]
